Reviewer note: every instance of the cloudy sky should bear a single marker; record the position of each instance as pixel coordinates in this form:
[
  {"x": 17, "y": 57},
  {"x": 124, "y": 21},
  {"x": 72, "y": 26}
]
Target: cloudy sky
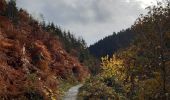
[{"x": 90, "y": 19}]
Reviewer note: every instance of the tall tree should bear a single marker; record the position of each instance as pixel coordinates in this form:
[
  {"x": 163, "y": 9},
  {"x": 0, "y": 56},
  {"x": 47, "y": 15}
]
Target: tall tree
[
  {"x": 154, "y": 30},
  {"x": 12, "y": 11},
  {"x": 2, "y": 7}
]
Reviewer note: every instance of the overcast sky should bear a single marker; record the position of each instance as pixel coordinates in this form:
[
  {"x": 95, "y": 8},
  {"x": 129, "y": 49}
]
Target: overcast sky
[{"x": 90, "y": 19}]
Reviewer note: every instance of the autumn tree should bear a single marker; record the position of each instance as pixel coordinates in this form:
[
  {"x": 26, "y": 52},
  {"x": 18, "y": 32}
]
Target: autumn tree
[{"x": 153, "y": 31}]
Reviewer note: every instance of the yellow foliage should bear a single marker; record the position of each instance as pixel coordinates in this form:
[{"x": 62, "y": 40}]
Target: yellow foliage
[
  {"x": 112, "y": 67},
  {"x": 48, "y": 92}
]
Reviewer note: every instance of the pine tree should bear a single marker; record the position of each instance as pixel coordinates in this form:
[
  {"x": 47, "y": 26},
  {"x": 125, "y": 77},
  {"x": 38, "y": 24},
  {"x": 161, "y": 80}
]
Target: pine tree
[
  {"x": 12, "y": 11},
  {"x": 2, "y": 7}
]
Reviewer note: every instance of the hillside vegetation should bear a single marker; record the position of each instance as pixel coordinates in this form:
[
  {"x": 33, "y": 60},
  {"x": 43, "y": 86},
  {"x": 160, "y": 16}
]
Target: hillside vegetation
[
  {"x": 35, "y": 58},
  {"x": 112, "y": 43},
  {"x": 141, "y": 70}
]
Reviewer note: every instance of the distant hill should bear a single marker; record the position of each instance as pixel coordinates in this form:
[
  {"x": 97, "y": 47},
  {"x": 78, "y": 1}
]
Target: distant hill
[{"x": 112, "y": 43}]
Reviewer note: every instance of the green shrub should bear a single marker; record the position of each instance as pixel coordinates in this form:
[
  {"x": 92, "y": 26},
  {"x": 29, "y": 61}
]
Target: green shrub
[{"x": 96, "y": 89}]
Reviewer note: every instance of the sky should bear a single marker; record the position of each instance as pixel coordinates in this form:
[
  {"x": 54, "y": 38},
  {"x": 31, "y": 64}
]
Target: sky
[{"x": 89, "y": 19}]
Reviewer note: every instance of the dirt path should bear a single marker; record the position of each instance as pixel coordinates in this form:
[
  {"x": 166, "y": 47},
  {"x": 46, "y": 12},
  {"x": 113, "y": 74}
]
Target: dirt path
[{"x": 72, "y": 93}]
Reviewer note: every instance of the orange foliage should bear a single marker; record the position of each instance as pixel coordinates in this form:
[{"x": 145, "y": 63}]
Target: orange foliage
[
  {"x": 42, "y": 48},
  {"x": 24, "y": 16},
  {"x": 20, "y": 47}
]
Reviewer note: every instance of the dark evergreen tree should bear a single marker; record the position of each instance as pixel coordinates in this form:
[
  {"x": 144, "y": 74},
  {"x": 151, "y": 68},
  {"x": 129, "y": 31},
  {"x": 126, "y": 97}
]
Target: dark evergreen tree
[
  {"x": 2, "y": 7},
  {"x": 112, "y": 43},
  {"x": 12, "y": 11}
]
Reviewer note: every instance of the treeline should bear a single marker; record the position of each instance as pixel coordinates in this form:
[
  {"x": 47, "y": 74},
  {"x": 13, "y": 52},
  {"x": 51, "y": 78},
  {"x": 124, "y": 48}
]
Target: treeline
[
  {"x": 10, "y": 10},
  {"x": 112, "y": 43},
  {"x": 141, "y": 71},
  {"x": 75, "y": 46},
  {"x": 33, "y": 63}
]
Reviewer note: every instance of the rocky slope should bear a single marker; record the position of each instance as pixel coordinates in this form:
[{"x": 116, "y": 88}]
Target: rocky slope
[{"x": 32, "y": 60}]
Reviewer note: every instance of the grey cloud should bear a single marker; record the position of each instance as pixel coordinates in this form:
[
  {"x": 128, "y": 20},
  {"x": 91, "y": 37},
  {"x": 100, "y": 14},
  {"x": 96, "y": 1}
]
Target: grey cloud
[{"x": 91, "y": 19}]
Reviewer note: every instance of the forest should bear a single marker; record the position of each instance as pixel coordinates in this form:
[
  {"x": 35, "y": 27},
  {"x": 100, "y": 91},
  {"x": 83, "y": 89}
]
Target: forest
[
  {"x": 112, "y": 43},
  {"x": 38, "y": 61},
  {"x": 41, "y": 61},
  {"x": 140, "y": 71}
]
